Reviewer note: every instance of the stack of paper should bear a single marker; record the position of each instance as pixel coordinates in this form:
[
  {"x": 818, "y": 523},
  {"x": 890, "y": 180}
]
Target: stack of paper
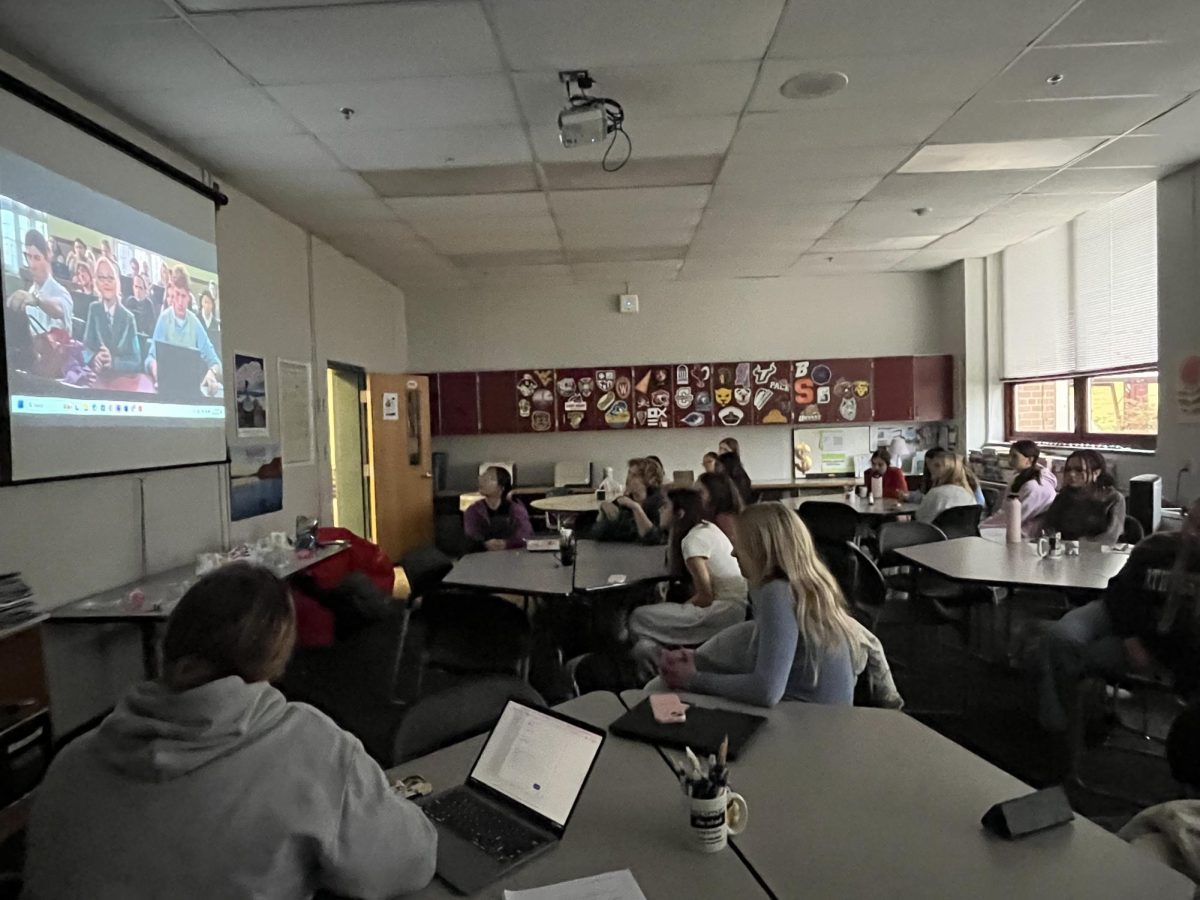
[
  {"x": 16, "y": 600},
  {"x": 609, "y": 886}
]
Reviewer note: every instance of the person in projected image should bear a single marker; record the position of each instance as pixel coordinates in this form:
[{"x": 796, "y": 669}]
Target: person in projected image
[
  {"x": 158, "y": 290},
  {"x": 180, "y": 326},
  {"x": 83, "y": 286},
  {"x": 208, "y": 318},
  {"x": 46, "y": 303},
  {"x": 110, "y": 338},
  {"x": 142, "y": 306},
  {"x": 79, "y": 254}
]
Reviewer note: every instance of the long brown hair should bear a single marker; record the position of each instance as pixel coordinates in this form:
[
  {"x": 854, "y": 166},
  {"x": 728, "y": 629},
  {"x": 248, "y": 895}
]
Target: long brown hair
[
  {"x": 687, "y": 511},
  {"x": 237, "y": 620}
]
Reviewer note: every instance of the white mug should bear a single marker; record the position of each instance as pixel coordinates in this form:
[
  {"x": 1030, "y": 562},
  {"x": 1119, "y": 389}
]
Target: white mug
[{"x": 714, "y": 819}]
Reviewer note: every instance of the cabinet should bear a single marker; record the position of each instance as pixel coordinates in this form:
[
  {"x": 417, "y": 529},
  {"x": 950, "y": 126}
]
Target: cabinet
[
  {"x": 24, "y": 722},
  {"x": 914, "y": 388}
]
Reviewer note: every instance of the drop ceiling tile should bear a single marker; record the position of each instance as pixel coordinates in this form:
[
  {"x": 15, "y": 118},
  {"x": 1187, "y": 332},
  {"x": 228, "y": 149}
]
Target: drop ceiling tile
[
  {"x": 638, "y": 172},
  {"x": 620, "y": 272},
  {"x": 964, "y": 206},
  {"x": 400, "y": 104},
  {"x": 841, "y": 244},
  {"x": 211, "y": 6},
  {"x": 569, "y": 34},
  {"x": 709, "y": 270},
  {"x": 104, "y": 57},
  {"x": 264, "y": 152},
  {"x": 848, "y": 261},
  {"x": 762, "y": 167},
  {"x": 186, "y": 113},
  {"x": 510, "y": 258},
  {"x": 629, "y": 201},
  {"x": 718, "y": 247},
  {"x": 368, "y": 42},
  {"x": 520, "y": 276},
  {"x": 1045, "y": 153},
  {"x": 645, "y": 237},
  {"x": 1150, "y": 150},
  {"x": 653, "y": 138},
  {"x": 24, "y": 17},
  {"x": 647, "y": 93},
  {"x": 823, "y": 28},
  {"x": 951, "y": 187},
  {"x": 645, "y": 220},
  {"x": 773, "y": 192},
  {"x": 875, "y": 126},
  {"x": 1109, "y": 21},
  {"x": 815, "y": 216},
  {"x": 471, "y": 207},
  {"x": 1047, "y": 207},
  {"x": 922, "y": 262},
  {"x": 625, "y": 254},
  {"x": 452, "y": 181},
  {"x": 490, "y": 240},
  {"x": 867, "y": 220},
  {"x": 1099, "y": 71},
  {"x": 1096, "y": 181},
  {"x": 982, "y": 121},
  {"x": 467, "y": 146},
  {"x": 371, "y": 235},
  {"x": 876, "y": 80},
  {"x": 288, "y": 184}
]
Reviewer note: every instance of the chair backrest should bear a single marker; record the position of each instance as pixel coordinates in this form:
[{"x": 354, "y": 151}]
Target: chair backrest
[
  {"x": 1133, "y": 531},
  {"x": 898, "y": 535},
  {"x": 869, "y": 590},
  {"x": 568, "y": 474},
  {"x": 960, "y": 521},
  {"x": 425, "y": 568},
  {"x": 830, "y": 523},
  {"x": 457, "y": 713}
]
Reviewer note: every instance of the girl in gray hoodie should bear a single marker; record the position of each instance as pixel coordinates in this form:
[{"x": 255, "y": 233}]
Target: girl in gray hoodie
[{"x": 209, "y": 783}]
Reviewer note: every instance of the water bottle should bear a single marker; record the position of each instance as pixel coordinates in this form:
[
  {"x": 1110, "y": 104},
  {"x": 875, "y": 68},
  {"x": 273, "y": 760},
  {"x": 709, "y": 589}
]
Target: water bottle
[
  {"x": 1012, "y": 519},
  {"x": 609, "y": 488},
  {"x": 876, "y": 487}
]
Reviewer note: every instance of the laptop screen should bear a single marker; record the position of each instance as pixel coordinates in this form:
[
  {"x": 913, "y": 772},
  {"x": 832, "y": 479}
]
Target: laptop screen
[{"x": 537, "y": 760}]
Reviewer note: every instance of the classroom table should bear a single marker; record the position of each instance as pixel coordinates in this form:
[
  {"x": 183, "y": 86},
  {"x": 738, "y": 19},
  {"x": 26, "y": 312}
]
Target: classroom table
[
  {"x": 567, "y": 504},
  {"x": 986, "y": 560},
  {"x": 162, "y": 592},
  {"x": 857, "y": 802},
  {"x": 786, "y": 487},
  {"x": 884, "y": 508},
  {"x": 631, "y": 815},
  {"x": 540, "y": 574}
]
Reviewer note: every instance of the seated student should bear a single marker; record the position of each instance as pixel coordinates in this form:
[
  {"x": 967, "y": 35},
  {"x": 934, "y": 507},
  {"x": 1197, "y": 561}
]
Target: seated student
[
  {"x": 635, "y": 515},
  {"x": 700, "y": 553},
  {"x": 895, "y": 485},
  {"x": 951, "y": 487},
  {"x": 932, "y": 467},
  {"x": 179, "y": 325},
  {"x": 209, "y": 783},
  {"x": 496, "y": 522},
  {"x": 730, "y": 464},
  {"x": 1147, "y": 614},
  {"x": 799, "y": 645},
  {"x": 1034, "y": 485},
  {"x": 110, "y": 339},
  {"x": 142, "y": 307},
  {"x": 709, "y": 462},
  {"x": 1089, "y": 507},
  {"x": 722, "y": 502},
  {"x": 729, "y": 445}
]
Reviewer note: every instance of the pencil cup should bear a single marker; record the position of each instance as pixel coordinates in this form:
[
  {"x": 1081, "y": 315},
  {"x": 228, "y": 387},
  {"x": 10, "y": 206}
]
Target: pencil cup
[{"x": 713, "y": 819}]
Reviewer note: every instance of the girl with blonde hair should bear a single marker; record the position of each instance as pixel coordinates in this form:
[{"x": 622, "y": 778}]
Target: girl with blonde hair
[
  {"x": 952, "y": 487},
  {"x": 799, "y": 646}
]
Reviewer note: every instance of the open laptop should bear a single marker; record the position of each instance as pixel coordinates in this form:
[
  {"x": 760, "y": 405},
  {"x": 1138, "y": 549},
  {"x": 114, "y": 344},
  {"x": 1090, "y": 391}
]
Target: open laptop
[
  {"x": 518, "y": 798},
  {"x": 180, "y": 371}
]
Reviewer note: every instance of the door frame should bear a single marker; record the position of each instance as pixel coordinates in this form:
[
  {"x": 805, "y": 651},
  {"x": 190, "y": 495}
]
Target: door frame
[{"x": 364, "y": 438}]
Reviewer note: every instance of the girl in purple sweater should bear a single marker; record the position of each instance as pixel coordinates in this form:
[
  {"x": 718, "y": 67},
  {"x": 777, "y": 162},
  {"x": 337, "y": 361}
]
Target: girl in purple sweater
[
  {"x": 1034, "y": 485},
  {"x": 496, "y": 522}
]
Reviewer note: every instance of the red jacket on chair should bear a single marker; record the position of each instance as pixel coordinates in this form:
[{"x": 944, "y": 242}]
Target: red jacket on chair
[{"x": 315, "y": 624}]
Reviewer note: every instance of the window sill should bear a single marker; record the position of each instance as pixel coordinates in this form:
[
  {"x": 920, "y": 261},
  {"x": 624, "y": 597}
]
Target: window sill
[{"x": 1071, "y": 447}]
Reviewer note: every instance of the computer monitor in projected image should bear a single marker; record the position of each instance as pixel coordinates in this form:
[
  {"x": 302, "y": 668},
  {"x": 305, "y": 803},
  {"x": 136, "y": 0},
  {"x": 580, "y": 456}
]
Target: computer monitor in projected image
[{"x": 112, "y": 323}]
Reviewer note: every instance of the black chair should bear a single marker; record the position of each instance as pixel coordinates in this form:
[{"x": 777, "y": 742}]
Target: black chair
[
  {"x": 457, "y": 713},
  {"x": 960, "y": 521},
  {"x": 829, "y": 523},
  {"x": 867, "y": 592},
  {"x": 1134, "y": 532},
  {"x": 424, "y": 568},
  {"x": 473, "y": 633}
]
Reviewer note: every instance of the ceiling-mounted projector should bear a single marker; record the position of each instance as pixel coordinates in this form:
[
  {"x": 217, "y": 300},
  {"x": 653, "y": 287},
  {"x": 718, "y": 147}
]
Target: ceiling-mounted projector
[{"x": 589, "y": 120}]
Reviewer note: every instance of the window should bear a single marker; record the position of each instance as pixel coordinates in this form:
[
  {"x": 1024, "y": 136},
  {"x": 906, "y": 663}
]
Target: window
[{"x": 1080, "y": 328}]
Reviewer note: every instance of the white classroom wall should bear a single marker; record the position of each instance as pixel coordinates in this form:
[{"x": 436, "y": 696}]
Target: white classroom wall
[
  {"x": 684, "y": 321},
  {"x": 72, "y": 538}
]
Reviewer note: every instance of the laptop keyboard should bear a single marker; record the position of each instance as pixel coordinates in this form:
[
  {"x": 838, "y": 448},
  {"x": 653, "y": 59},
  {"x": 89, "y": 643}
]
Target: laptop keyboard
[{"x": 499, "y": 836}]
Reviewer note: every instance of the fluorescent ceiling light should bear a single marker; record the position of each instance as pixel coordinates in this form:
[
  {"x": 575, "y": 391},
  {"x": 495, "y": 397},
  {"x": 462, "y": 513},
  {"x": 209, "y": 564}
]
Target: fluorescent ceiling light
[{"x": 1050, "y": 153}]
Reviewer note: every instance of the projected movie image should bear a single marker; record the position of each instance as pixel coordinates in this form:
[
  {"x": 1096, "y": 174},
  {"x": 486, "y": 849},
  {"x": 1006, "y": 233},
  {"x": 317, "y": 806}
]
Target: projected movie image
[{"x": 98, "y": 325}]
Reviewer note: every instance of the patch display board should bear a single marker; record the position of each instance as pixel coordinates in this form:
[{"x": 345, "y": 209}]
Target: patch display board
[
  {"x": 832, "y": 390},
  {"x": 577, "y": 396},
  {"x": 771, "y": 400},
  {"x": 652, "y": 405},
  {"x": 732, "y": 394},
  {"x": 692, "y": 394},
  {"x": 536, "y": 406},
  {"x": 615, "y": 403},
  {"x": 828, "y": 451}
]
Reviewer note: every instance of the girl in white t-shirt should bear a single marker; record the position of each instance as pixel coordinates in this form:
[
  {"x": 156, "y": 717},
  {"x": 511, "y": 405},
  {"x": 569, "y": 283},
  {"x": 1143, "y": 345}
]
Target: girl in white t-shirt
[{"x": 698, "y": 551}]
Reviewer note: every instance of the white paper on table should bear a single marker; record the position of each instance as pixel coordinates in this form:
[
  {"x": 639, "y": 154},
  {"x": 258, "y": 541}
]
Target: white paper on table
[{"x": 619, "y": 885}]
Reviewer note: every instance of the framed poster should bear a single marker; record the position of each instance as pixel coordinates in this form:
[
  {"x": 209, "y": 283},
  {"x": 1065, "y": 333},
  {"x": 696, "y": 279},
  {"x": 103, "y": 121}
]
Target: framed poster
[
  {"x": 652, "y": 406},
  {"x": 771, "y": 402},
  {"x": 732, "y": 394},
  {"x": 692, "y": 394},
  {"x": 828, "y": 451},
  {"x": 250, "y": 399},
  {"x": 296, "y": 412}
]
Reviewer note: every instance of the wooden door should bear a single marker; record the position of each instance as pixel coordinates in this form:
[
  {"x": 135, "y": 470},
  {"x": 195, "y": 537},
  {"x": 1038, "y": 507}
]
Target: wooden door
[{"x": 401, "y": 462}]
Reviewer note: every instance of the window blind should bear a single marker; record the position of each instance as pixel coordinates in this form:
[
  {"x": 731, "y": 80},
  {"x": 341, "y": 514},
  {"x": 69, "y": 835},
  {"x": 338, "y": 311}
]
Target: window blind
[{"x": 1084, "y": 297}]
